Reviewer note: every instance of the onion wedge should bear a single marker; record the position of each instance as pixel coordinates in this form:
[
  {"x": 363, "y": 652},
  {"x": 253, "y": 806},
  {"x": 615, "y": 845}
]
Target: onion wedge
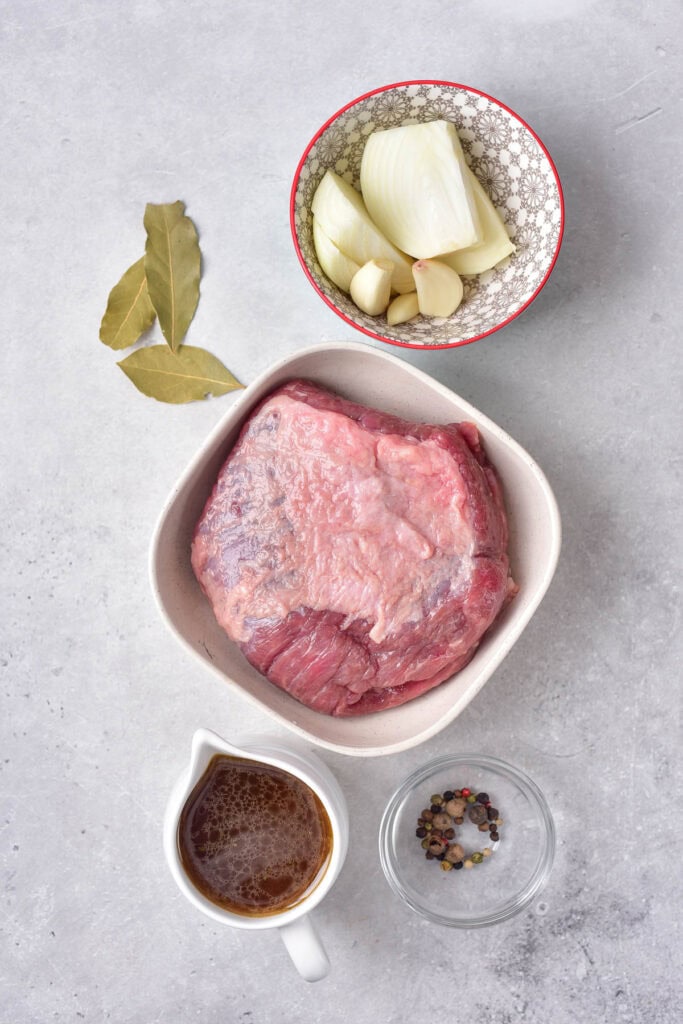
[
  {"x": 417, "y": 189},
  {"x": 341, "y": 213},
  {"x": 335, "y": 264},
  {"x": 496, "y": 244}
]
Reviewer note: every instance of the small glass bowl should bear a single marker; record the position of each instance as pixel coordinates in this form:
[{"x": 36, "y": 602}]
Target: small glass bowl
[{"x": 505, "y": 882}]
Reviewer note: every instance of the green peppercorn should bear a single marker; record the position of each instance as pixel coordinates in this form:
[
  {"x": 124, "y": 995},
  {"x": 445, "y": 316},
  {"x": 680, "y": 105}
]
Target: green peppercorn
[
  {"x": 425, "y": 843},
  {"x": 477, "y": 858},
  {"x": 436, "y": 799},
  {"x": 446, "y": 865},
  {"x": 471, "y": 799}
]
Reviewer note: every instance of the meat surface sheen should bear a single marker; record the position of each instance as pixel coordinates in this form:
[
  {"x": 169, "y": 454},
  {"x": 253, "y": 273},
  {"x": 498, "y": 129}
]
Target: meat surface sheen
[{"x": 356, "y": 558}]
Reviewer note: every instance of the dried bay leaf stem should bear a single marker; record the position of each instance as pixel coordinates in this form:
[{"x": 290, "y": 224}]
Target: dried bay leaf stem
[
  {"x": 172, "y": 267},
  {"x": 187, "y": 375},
  {"x": 129, "y": 310}
]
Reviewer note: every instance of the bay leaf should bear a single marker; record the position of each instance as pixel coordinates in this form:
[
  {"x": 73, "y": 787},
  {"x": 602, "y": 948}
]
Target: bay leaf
[
  {"x": 187, "y": 375},
  {"x": 172, "y": 267},
  {"x": 129, "y": 311}
]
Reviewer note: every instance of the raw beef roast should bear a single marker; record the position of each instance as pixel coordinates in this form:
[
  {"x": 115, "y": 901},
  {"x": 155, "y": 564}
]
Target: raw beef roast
[{"x": 357, "y": 559}]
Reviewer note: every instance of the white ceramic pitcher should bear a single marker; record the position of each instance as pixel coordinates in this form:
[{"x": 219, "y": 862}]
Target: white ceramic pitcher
[{"x": 295, "y": 926}]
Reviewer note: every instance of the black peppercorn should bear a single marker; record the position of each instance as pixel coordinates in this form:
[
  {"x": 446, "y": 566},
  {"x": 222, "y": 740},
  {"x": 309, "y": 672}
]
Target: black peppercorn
[
  {"x": 448, "y": 795},
  {"x": 482, "y": 798},
  {"x": 458, "y": 864},
  {"x": 420, "y": 832},
  {"x": 494, "y": 836},
  {"x": 492, "y": 813},
  {"x": 449, "y": 833}
]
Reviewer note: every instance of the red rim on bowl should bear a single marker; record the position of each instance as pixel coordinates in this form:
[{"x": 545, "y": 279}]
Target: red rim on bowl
[{"x": 387, "y": 88}]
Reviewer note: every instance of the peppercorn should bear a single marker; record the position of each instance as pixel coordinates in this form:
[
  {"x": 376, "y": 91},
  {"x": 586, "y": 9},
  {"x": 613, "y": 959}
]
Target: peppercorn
[
  {"x": 435, "y": 808},
  {"x": 492, "y": 813},
  {"x": 482, "y": 798},
  {"x": 455, "y": 853},
  {"x": 458, "y": 864},
  {"x": 456, "y": 807},
  {"x": 459, "y": 820},
  {"x": 446, "y": 865},
  {"x": 457, "y": 793},
  {"x": 499, "y": 821},
  {"x": 448, "y": 795},
  {"x": 477, "y": 814},
  {"x": 442, "y": 820},
  {"x": 477, "y": 857},
  {"x": 425, "y": 843},
  {"x": 428, "y": 825},
  {"x": 494, "y": 837},
  {"x": 420, "y": 832},
  {"x": 469, "y": 864},
  {"x": 427, "y": 815},
  {"x": 465, "y": 792},
  {"x": 487, "y": 851},
  {"x": 484, "y": 827},
  {"x": 471, "y": 799},
  {"x": 449, "y": 833},
  {"x": 436, "y": 799},
  {"x": 429, "y": 855}
]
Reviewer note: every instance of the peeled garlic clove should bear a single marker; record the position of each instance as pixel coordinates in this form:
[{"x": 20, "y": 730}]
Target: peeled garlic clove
[
  {"x": 402, "y": 308},
  {"x": 417, "y": 189},
  {"x": 335, "y": 264},
  {"x": 371, "y": 286},
  {"x": 439, "y": 289},
  {"x": 496, "y": 244},
  {"x": 341, "y": 213}
]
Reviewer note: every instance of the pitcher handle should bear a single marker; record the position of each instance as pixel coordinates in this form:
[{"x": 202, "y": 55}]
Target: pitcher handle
[{"x": 305, "y": 948}]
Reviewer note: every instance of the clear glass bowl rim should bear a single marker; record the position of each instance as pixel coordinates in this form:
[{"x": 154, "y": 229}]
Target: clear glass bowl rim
[{"x": 507, "y": 908}]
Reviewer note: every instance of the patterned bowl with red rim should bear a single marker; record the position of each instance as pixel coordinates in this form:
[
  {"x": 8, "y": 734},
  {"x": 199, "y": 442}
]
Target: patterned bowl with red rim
[{"x": 512, "y": 164}]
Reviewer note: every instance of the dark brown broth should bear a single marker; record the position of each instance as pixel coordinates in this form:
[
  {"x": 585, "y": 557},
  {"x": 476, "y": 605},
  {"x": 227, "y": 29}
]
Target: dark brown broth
[{"x": 253, "y": 838}]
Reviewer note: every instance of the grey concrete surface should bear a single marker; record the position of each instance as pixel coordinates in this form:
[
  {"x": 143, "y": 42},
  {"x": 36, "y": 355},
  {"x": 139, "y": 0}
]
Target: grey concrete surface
[{"x": 106, "y": 106}]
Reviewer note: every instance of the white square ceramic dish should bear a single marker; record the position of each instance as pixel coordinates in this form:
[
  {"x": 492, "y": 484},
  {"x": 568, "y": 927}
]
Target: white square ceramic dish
[{"x": 377, "y": 379}]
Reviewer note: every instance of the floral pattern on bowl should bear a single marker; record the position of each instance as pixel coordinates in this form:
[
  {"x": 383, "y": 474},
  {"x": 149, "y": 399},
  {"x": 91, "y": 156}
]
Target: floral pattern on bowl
[{"x": 513, "y": 166}]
